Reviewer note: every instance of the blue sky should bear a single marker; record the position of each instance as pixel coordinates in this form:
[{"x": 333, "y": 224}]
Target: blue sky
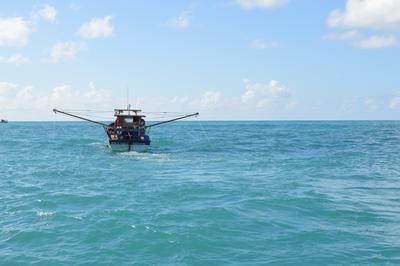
[{"x": 227, "y": 59}]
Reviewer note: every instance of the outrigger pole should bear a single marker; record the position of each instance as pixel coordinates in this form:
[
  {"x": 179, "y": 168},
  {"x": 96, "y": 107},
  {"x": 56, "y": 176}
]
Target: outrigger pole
[
  {"x": 179, "y": 118},
  {"x": 79, "y": 117}
]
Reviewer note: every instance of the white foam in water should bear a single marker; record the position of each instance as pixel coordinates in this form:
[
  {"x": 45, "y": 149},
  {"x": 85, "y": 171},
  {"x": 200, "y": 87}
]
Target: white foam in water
[
  {"x": 146, "y": 155},
  {"x": 44, "y": 214}
]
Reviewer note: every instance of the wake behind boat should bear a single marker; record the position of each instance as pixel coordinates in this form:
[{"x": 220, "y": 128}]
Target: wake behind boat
[{"x": 129, "y": 131}]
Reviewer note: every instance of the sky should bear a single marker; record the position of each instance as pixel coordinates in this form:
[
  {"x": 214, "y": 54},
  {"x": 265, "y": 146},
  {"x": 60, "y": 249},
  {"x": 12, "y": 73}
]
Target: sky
[{"x": 227, "y": 59}]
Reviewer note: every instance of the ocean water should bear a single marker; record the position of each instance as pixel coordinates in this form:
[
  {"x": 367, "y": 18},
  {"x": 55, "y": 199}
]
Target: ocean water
[{"x": 206, "y": 193}]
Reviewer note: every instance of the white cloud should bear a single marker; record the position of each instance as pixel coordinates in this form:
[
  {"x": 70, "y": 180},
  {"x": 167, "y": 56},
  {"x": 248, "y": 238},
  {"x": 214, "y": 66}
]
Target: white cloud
[
  {"x": 368, "y": 14},
  {"x": 210, "y": 99},
  {"x": 176, "y": 103},
  {"x": 262, "y": 44},
  {"x": 343, "y": 36},
  {"x": 207, "y": 101},
  {"x": 357, "y": 40},
  {"x": 347, "y": 107},
  {"x": 47, "y": 12},
  {"x": 74, "y": 6},
  {"x": 375, "y": 42},
  {"x": 97, "y": 96},
  {"x": 265, "y": 95},
  {"x": 14, "y": 32},
  {"x": 259, "y": 3},
  {"x": 183, "y": 21},
  {"x": 395, "y": 102},
  {"x": 17, "y": 59},
  {"x": 371, "y": 104},
  {"x": 64, "y": 51},
  {"x": 97, "y": 28},
  {"x": 178, "y": 100},
  {"x": 14, "y": 97},
  {"x": 6, "y": 87},
  {"x": 376, "y": 14}
]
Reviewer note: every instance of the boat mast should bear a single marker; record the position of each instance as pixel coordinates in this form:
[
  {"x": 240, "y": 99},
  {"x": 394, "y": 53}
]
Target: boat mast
[
  {"x": 79, "y": 117},
  {"x": 175, "y": 119}
]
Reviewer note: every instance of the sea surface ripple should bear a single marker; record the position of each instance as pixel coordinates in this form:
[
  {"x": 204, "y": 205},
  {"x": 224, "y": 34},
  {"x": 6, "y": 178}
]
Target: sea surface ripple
[{"x": 206, "y": 193}]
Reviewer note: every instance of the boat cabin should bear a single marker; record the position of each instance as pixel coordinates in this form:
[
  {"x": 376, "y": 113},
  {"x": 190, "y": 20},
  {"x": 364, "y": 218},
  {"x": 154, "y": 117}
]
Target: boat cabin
[
  {"x": 129, "y": 118},
  {"x": 129, "y": 125}
]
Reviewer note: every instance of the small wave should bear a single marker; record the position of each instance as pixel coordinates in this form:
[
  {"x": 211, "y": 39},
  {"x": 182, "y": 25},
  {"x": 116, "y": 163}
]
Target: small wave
[
  {"x": 96, "y": 143},
  {"x": 146, "y": 155},
  {"x": 44, "y": 213},
  {"x": 132, "y": 153}
]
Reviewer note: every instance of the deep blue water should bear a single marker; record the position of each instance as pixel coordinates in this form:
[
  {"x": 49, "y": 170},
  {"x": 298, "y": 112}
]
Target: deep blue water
[{"x": 207, "y": 193}]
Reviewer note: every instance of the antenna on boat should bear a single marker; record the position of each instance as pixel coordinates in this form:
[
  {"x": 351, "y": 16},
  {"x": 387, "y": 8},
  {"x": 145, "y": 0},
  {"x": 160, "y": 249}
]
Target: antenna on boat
[{"x": 128, "y": 106}]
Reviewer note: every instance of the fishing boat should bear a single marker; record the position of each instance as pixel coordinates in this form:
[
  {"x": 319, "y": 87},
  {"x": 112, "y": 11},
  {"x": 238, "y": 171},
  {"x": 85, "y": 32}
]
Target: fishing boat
[
  {"x": 129, "y": 131},
  {"x": 3, "y": 121}
]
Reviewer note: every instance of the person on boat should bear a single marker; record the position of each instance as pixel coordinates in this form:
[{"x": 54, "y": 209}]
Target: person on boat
[
  {"x": 141, "y": 122},
  {"x": 118, "y": 121}
]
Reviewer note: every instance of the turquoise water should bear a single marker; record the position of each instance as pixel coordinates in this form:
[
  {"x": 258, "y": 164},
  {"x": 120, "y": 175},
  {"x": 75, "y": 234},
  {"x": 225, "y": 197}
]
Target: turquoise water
[{"x": 207, "y": 193}]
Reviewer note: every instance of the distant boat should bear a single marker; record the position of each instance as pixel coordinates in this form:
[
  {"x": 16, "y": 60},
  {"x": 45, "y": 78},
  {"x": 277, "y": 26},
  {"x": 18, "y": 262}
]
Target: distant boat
[
  {"x": 3, "y": 121},
  {"x": 129, "y": 131}
]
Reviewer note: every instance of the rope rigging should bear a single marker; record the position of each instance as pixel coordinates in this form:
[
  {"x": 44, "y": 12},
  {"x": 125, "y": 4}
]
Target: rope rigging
[
  {"x": 87, "y": 115},
  {"x": 150, "y": 115}
]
